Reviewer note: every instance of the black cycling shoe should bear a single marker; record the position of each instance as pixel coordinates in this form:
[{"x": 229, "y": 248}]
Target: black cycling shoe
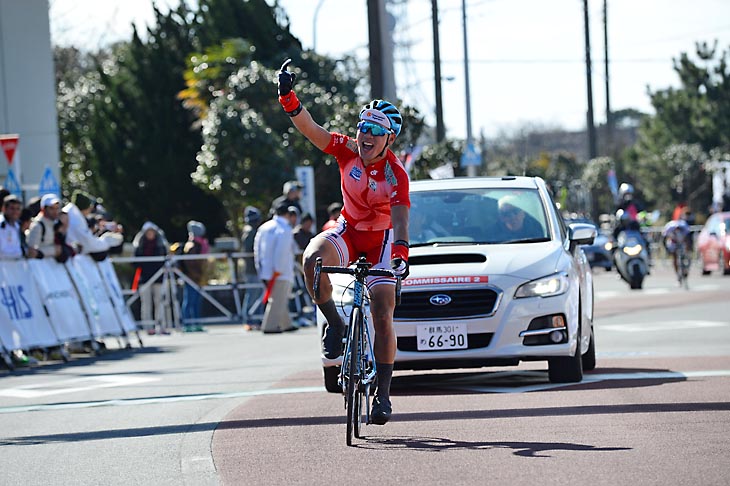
[
  {"x": 332, "y": 341},
  {"x": 381, "y": 412}
]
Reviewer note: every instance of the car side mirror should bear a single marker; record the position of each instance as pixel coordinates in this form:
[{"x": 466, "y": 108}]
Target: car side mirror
[{"x": 581, "y": 234}]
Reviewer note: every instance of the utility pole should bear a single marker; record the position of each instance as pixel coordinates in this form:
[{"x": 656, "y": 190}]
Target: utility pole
[
  {"x": 440, "y": 130},
  {"x": 382, "y": 77},
  {"x": 592, "y": 153},
  {"x": 609, "y": 115},
  {"x": 471, "y": 169}
]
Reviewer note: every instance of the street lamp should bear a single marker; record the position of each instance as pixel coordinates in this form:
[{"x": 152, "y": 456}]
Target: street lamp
[{"x": 314, "y": 25}]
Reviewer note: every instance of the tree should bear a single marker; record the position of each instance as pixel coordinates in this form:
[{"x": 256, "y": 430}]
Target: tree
[{"x": 690, "y": 122}]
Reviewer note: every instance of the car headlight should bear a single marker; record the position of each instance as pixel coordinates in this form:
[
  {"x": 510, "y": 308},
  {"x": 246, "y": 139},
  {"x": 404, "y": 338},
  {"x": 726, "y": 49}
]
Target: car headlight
[
  {"x": 632, "y": 250},
  {"x": 608, "y": 246},
  {"x": 549, "y": 286}
]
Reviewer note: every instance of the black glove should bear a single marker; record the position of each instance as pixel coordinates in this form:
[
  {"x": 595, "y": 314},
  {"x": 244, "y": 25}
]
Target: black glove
[
  {"x": 286, "y": 79},
  {"x": 400, "y": 267}
]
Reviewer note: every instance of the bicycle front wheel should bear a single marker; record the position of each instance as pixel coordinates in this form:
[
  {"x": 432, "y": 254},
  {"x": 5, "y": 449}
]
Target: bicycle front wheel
[{"x": 353, "y": 385}]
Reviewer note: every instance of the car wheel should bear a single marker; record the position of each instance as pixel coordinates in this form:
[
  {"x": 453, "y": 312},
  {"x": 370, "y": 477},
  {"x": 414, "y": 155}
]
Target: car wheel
[
  {"x": 331, "y": 377},
  {"x": 567, "y": 369},
  {"x": 589, "y": 358}
]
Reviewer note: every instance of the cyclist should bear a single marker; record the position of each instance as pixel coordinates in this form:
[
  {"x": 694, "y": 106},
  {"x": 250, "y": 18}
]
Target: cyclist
[
  {"x": 374, "y": 222},
  {"x": 676, "y": 232}
]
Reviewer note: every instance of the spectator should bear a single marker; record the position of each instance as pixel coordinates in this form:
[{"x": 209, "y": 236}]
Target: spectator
[
  {"x": 11, "y": 243},
  {"x": 196, "y": 270},
  {"x": 3, "y": 193},
  {"x": 334, "y": 211},
  {"x": 151, "y": 242},
  {"x": 26, "y": 217},
  {"x": 64, "y": 250},
  {"x": 292, "y": 193},
  {"x": 252, "y": 218},
  {"x": 79, "y": 234},
  {"x": 303, "y": 231},
  {"x": 34, "y": 206},
  {"x": 105, "y": 224},
  {"x": 274, "y": 256},
  {"x": 41, "y": 234}
]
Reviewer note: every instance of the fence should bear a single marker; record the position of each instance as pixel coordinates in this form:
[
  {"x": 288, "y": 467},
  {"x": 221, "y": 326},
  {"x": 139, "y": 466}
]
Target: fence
[
  {"x": 45, "y": 304},
  {"x": 231, "y": 296}
]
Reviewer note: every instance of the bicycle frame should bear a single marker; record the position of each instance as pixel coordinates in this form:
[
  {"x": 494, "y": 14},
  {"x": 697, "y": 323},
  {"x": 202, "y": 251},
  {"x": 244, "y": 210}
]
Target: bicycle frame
[{"x": 358, "y": 371}]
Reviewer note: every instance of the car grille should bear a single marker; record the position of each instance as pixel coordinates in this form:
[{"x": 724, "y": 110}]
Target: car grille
[
  {"x": 464, "y": 303},
  {"x": 473, "y": 341}
]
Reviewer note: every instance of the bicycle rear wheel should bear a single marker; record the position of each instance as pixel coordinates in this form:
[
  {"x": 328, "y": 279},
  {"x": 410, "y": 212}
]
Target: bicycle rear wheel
[{"x": 353, "y": 385}]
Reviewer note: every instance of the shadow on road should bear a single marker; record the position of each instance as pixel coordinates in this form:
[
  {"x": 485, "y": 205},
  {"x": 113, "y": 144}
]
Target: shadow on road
[
  {"x": 438, "y": 444},
  {"x": 85, "y": 359},
  {"x": 528, "y": 381},
  {"x": 400, "y": 417}
]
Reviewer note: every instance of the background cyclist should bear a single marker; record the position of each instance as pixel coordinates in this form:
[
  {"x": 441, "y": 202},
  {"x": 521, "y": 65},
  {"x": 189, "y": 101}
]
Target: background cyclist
[
  {"x": 677, "y": 232},
  {"x": 374, "y": 222}
]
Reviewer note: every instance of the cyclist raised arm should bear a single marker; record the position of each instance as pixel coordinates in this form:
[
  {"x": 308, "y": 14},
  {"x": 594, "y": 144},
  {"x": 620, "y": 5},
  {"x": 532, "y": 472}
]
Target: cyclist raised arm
[{"x": 373, "y": 222}]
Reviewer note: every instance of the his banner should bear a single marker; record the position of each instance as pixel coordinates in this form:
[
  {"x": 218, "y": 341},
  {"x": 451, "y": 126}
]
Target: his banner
[{"x": 23, "y": 322}]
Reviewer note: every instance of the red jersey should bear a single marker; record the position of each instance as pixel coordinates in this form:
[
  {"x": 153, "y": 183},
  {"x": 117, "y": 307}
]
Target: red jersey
[{"x": 368, "y": 192}]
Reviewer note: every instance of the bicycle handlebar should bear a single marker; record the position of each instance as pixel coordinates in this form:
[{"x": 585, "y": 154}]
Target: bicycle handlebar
[{"x": 358, "y": 268}]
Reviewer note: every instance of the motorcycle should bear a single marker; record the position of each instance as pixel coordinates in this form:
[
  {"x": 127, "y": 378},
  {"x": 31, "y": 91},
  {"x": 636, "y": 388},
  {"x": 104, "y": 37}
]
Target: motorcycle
[{"x": 631, "y": 258}]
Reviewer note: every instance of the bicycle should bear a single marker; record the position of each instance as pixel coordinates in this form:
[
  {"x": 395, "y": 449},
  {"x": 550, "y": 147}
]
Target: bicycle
[
  {"x": 358, "y": 372},
  {"x": 682, "y": 265}
]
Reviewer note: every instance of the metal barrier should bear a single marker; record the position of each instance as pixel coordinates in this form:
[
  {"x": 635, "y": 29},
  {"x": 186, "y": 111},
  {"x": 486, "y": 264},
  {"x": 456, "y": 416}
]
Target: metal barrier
[{"x": 246, "y": 296}]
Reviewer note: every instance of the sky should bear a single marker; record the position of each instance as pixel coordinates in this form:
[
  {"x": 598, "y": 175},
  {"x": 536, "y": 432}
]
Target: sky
[{"x": 526, "y": 57}]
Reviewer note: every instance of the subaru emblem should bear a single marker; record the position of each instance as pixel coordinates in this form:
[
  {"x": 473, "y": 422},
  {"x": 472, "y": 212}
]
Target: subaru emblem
[{"x": 440, "y": 299}]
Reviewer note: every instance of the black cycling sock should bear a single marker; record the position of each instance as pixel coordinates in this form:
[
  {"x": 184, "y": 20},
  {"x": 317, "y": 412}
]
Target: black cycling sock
[
  {"x": 329, "y": 309},
  {"x": 385, "y": 373}
]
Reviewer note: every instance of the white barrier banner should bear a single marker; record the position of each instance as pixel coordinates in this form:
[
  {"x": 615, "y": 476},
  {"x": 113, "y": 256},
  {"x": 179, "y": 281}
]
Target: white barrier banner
[
  {"x": 87, "y": 279},
  {"x": 61, "y": 300},
  {"x": 109, "y": 276},
  {"x": 23, "y": 321}
]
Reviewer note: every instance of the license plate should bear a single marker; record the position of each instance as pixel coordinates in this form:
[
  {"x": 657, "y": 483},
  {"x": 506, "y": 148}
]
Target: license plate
[{"x": 436, "y": 337}]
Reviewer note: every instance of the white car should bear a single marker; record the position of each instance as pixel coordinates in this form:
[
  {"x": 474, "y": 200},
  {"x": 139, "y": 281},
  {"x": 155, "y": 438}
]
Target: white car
[{"x": 481, "y": 295}]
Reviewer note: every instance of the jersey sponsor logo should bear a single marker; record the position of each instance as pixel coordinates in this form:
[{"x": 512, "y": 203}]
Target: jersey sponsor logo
[
  {"x": 389, "y": 175},
  {"x": 356, "y": 173},
  {"x": 457, "y": 279},
  {"x": 372, "y": 184},
  {"x": 374, "y": 172}
]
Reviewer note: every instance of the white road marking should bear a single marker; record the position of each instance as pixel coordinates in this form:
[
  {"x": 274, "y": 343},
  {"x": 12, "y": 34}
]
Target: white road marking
[
  {"x": 662, "y": 326},
  {"x": 153, "y": 400},
  {"x": 74, "y": 385},
  {"x": 587, "y": 379}
]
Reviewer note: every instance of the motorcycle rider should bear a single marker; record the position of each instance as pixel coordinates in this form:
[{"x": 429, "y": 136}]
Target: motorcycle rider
[{"x": 627, "y": 202}]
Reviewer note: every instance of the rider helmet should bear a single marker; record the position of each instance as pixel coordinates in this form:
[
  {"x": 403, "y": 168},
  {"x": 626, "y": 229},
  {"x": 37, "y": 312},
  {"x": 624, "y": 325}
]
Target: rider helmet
[
  {"x": 383, "y": 113},
  {"x": 624, "y": 190}
]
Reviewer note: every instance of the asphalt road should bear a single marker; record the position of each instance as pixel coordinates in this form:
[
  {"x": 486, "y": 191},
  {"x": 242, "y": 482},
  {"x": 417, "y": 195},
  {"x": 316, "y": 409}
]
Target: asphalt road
[{"x": 234, "y": 407}]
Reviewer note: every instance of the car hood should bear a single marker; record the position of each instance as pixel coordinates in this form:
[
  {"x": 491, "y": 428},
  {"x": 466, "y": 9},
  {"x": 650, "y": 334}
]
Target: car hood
[{"x": 525, "y": 261}]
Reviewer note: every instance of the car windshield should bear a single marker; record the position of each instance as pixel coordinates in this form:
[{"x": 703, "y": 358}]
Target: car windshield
[{"x": 471, "y": 216}]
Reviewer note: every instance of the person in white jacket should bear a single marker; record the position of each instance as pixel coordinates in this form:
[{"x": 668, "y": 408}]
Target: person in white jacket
[
  {"x": 79, "y": 233},
  {"x": 274, "y": 259}
]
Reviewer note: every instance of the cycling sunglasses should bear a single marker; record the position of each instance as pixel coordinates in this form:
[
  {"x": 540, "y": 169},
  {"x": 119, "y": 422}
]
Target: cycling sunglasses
[{"x": 374, "y": 128}]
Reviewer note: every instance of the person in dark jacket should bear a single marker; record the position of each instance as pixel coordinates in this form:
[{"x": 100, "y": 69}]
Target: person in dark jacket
[
  {"x": 197, "y": 271},
  {"x": 151, "y": 242}
]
